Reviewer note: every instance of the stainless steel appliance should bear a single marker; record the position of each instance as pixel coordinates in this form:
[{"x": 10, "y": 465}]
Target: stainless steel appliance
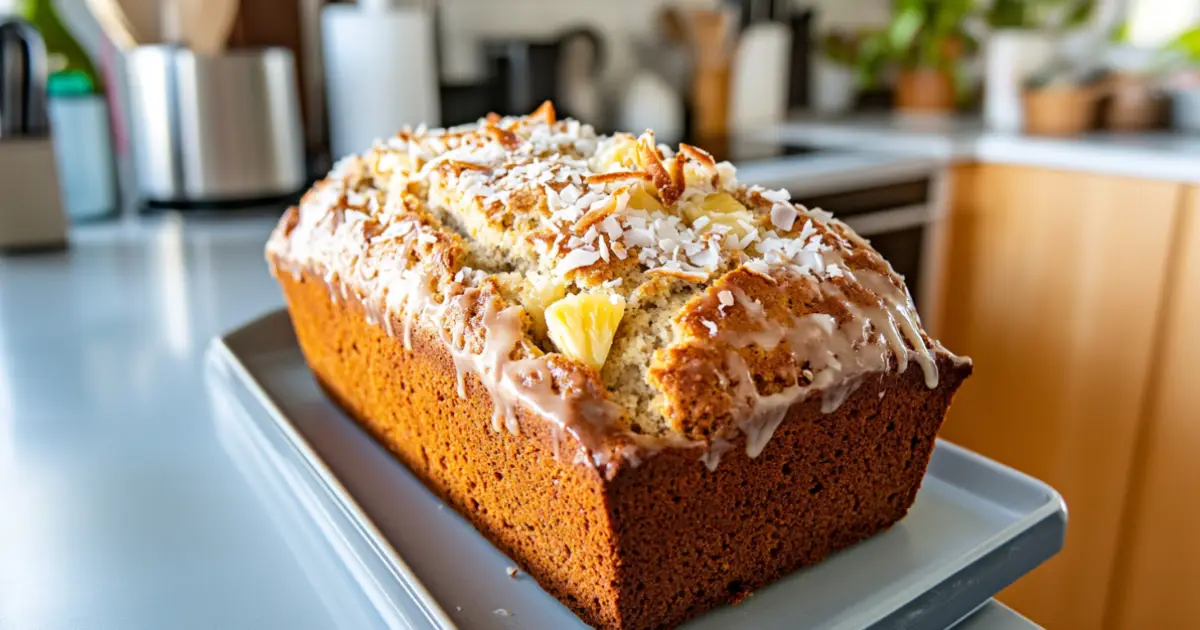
[{"x": 215, "y": 129}]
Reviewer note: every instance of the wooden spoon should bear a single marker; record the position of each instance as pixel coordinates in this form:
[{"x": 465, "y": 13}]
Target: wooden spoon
[
  {"x": 207, "y": 24},
  {"x": 710, "y": 35},
  {"x": 709, "y": 32},
  {"x": 128, "y": 23}
]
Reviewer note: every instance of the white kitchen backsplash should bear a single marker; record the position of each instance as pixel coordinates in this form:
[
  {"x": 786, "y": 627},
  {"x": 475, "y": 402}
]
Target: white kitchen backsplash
[
  {"x": 849, "y": 14},
  {"x": 465, "y": 23},
  {"x": 622, "y": 22}
]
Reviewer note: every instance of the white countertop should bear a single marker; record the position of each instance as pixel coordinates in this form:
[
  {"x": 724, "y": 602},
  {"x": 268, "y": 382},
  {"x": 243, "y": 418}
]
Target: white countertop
[
  {"x": 815, "y": 174},
  {"x": 1155, "y": 155},
  {"x": 118, "y": 506}
]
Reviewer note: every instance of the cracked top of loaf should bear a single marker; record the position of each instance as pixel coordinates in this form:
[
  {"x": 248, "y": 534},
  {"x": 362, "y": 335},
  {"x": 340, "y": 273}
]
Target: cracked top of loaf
[{"x": 629, "y": 292}]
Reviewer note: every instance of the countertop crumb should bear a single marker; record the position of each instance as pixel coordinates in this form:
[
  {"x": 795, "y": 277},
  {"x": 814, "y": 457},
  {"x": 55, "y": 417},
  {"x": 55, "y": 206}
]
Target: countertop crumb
[
  {"x": 512, "y": 572},
  {"x": 458, "y": 608},
  {"x": 503, "y": 612}
]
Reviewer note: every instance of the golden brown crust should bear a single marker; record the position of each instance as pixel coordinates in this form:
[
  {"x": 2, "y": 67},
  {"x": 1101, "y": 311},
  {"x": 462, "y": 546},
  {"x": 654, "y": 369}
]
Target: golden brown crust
[
  {"x": 693, "y": 375},
  {"x": 554, "y": 533},
  {"x": 756, "y": 334},
  {"x": 659, "y": 542}
]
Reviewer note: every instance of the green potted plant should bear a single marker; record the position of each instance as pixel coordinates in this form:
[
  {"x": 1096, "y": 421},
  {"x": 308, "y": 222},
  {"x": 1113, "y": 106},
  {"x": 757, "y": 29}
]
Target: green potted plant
[
  {"x": 1025, "y": 36},
  {"x": 924, "y": 43}
]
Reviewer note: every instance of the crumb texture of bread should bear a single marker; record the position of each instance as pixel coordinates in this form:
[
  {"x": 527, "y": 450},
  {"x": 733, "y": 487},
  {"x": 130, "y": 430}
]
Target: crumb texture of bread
[{"x": 655, "y": 387}]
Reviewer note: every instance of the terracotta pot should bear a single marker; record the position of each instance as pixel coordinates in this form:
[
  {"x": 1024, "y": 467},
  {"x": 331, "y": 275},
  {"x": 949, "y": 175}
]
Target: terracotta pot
[
  {"x": 925, "y": 90},
  {"x": 1132, "y": 103},
  {"x": 1060, "y": 110}
]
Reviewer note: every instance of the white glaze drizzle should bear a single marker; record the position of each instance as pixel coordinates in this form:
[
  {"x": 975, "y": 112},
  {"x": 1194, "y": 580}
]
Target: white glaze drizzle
[
  {"x": 837, "y": 356},
  {"x": 511, "y": 382}
]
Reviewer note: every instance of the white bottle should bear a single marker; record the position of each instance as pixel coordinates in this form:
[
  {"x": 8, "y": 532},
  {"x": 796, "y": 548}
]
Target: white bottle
[
  {"x": 759, "y": 80},
  {"x": 380, "y": 72},
  {"x": 651, "y": 103}
]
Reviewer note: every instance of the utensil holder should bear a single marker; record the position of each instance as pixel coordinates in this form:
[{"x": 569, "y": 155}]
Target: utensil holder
[
  {"x": 1060, "y": 111},
  {"x": 215, "y": 129}
]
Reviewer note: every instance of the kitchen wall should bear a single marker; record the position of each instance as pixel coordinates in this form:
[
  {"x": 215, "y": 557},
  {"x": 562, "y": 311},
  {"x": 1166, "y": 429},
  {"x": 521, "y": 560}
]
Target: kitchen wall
[
  {"x": 466, "y": 22},
  {"x": 848, "y": 13},
  {"x": 1155, "y": 22}
]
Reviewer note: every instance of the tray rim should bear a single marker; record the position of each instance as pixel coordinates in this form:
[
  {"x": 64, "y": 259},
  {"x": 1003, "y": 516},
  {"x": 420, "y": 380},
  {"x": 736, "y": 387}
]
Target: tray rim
[
  {"x": 355, "y": 513},
  {"x": 887, "y": 613}
]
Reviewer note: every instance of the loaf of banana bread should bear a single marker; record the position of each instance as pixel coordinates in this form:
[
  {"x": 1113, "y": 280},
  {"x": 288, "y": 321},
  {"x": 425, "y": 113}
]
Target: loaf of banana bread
[{"x": 654, "y": 387}]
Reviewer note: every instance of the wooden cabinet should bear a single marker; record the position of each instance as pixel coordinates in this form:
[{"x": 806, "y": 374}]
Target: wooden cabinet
[
  {"x": 1157, "y": 581},
  {"x": 1053, "y": 283}
]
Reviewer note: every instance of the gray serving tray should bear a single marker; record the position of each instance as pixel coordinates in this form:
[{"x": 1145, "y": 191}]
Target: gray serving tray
[{"x": 364, "y": 528}]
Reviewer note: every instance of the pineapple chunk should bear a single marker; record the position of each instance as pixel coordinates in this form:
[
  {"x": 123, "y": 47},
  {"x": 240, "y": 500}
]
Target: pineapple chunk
[
  {"x": 621, "y": 156},
  {"x": 582, "y": 326},
  {"x": 720, "y": 208},
  {"x": 540, "y": 292},
  {"x": 698, "y": 177},
  {"x": 723, "y": 203},
  {"x": 641, "y": 197}
]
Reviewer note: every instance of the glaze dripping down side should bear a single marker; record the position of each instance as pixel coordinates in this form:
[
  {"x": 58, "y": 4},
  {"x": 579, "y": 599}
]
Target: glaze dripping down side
[{"x": 469, "y": 234}]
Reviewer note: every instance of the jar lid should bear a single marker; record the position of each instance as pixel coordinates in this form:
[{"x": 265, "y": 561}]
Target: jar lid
[{"x": 68, "y": 83}]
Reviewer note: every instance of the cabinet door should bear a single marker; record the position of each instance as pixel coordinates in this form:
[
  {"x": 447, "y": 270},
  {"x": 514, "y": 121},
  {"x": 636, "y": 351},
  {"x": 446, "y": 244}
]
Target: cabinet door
[
  {"x": 1052, "y": 284},
  {"x": 1157, "y": 581}
]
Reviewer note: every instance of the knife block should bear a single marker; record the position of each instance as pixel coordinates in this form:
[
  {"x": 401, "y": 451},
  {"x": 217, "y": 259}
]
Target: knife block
[{"x": 31, "y": 210}]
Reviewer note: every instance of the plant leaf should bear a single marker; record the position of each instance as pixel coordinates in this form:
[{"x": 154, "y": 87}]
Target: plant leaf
[
  {"x": 1187, "y": 44},
  {"x": 910, "y": 16},
  {"x": 1120, "y": 35},
  {"x": 871, "y": 54},
  {"x": 1080, "y": 13}
]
